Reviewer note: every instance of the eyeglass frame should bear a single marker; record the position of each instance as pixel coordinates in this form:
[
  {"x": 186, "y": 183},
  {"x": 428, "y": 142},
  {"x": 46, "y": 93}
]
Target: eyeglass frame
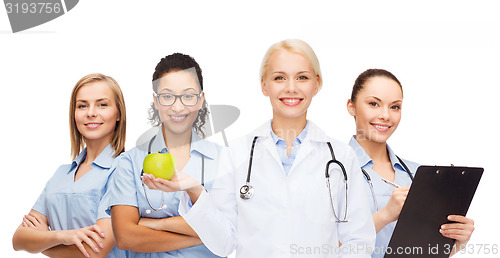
[{"x": 198, "y": 96}]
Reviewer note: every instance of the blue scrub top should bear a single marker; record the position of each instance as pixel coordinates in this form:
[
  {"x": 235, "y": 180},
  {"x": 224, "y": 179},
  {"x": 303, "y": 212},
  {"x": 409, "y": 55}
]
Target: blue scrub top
[
  {"x": 126, "y": 186},
  {"x": 382, "y": 190},
  {"x": 72, "y": 205}
]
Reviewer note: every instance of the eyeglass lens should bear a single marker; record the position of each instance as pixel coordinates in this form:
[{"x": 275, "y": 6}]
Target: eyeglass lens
[{"x": 186, "y": 99}]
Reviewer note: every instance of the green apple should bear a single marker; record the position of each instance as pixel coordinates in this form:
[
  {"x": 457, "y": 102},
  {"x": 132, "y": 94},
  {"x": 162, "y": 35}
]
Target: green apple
[{"x": 160, "y": 165}]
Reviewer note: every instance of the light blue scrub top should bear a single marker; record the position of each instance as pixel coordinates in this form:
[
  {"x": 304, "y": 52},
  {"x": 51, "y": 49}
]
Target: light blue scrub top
[
  {"x": 287, "y": 161},
  {"x": 382, "y": 190},
  {"x": 126, "y": 186},
  {"x": 72, "y": 205}
]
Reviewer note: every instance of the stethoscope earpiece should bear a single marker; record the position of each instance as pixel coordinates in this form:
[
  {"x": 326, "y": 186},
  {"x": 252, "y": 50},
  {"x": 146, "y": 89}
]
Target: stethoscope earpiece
[{"x": 247, "y": 192}]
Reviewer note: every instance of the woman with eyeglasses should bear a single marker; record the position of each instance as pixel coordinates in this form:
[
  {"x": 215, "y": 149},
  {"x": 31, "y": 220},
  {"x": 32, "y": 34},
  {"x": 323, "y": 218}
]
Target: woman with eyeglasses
[
  {"x": 376, "y": 103},
  {"x": 146, "y": 221},
  {"x": 270, "y": 198},
  {"x": 69, "y": 218}
]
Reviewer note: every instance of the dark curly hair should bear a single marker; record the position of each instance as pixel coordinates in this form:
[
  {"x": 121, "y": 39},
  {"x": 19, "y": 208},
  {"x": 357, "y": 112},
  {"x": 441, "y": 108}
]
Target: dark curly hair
[
  {"x": 368, "y": 74},
  {"x": 173, "y": 63}
]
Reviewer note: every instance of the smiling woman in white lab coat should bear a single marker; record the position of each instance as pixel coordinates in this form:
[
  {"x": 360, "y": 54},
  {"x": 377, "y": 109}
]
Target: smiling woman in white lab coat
[{"x": 292, "y": 212}]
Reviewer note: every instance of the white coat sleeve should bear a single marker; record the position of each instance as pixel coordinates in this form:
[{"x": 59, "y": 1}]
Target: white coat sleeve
[
  {"x": 214, "y": 215},
  {"x": 358, "y": 235}
]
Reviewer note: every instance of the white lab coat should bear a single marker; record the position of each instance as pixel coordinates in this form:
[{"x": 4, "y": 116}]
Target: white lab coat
[{"x": 289, "y": 216}]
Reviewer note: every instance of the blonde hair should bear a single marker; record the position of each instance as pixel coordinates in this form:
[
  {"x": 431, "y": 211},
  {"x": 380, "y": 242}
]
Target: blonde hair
[
  {"x": 297, "y": 46},
  {"x": 118, "y": 137}
]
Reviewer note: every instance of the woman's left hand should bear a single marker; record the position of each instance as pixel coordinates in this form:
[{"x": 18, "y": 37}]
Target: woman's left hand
[
  {"x": 34, "y": 220},
  {"x": 461, "y": 231}
]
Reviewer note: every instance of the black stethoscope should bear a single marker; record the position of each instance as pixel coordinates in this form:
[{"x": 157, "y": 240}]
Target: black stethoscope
[
  {"x": 369, "y": 180},
  {"x": 163, "y": 205},
  {"x": 247, "y": 191}
]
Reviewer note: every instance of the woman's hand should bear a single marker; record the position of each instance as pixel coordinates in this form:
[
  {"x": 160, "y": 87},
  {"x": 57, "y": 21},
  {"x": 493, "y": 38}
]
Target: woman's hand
[
  {"x": 461, "y": 230},
  {"x": 151, "y": 223},
  {"x": 395, "y": 204},
  {"x": 34, "y": 220},
  {"x": 91, "y": 235},
  {"x": 179, "y": 182}
]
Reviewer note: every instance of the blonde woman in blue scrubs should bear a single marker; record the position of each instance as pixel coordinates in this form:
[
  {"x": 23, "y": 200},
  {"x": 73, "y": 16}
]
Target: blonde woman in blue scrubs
[
  {"x": 376, "y": 104},
  {"x": 69, "y": 218},
  {"x": 146, "y": 221}
]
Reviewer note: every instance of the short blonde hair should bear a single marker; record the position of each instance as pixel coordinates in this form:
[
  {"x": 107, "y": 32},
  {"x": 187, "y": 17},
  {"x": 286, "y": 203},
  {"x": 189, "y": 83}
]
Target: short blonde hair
[
  {"x": 296, "y": 46},
  {"x": 118, "y": 137}
]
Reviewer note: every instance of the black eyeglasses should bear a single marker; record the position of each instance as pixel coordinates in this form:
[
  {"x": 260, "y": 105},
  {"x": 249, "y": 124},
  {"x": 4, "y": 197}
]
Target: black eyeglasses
[{"x": 188, "y": 99}]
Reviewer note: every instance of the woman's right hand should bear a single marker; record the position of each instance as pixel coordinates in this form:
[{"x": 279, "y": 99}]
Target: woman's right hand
[
  {"x": 91, "y": 235},
  {"x": 36, "y": 221},
  {"x": 395, "y": 204}
]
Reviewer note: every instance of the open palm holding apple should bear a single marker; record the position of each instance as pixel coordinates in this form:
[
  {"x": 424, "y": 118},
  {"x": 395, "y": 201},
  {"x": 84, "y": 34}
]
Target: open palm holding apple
[
  {"x": 161, "y": 165},
  {"x": 160, "y": 174},
  {"x": 180, "y": 181}
]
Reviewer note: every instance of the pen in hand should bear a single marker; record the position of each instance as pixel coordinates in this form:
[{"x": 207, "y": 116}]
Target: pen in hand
[{"x": 390, "y": 183}]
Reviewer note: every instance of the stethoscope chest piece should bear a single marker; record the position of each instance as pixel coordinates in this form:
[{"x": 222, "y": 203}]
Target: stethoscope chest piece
[{"x": 247, "y": 192}]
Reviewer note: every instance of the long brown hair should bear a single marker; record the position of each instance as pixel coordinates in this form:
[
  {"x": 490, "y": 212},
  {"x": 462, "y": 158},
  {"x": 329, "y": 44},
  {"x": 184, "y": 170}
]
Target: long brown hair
[{"x": 118, "y": 138}]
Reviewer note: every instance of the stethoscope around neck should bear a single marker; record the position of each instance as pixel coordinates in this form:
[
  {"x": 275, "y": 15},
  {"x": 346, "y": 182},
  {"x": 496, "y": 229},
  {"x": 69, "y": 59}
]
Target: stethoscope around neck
[
  {"x": 163, "y": 205},
  {"x": 369, "y": 180},
  {"x": 247, "y": 191}
]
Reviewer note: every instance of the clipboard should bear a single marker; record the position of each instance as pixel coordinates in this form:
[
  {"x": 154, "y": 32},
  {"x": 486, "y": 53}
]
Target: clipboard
[{"x": 436, "y": 192}]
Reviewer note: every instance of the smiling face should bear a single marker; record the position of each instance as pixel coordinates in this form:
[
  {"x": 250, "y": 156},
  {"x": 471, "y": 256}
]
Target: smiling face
[
  {"x": 290, "y": 83},
  {"x": 178, "y": 118},
  {"x": 377, "y": 109},
  {"x": 96, "y": 113}
]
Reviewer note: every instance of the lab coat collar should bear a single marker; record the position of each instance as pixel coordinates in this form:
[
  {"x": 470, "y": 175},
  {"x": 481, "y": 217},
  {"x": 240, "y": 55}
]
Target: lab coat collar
[
  {"x": 300, "y": 138},
  {"x": 198, "y": 144},
  {"x": 314, "y": 135},
  {"x": 314, "y": 132}
]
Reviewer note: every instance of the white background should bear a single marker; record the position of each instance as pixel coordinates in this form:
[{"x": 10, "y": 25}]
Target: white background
[{"x": 444, "y": 53}]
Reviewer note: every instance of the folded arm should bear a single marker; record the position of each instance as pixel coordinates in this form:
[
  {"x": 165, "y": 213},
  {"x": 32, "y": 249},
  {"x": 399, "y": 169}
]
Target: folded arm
[
  {"x": 175, "y": 224},
  {"x": 131, "y": 235},
  {"x": 106, "y": 245},
  {"x": 34, "y": 236}
]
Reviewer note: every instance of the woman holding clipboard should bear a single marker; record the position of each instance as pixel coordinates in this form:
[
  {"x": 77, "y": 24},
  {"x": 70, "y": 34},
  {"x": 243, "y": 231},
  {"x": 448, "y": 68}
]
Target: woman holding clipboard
[{"x": 375, "y": 104}]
